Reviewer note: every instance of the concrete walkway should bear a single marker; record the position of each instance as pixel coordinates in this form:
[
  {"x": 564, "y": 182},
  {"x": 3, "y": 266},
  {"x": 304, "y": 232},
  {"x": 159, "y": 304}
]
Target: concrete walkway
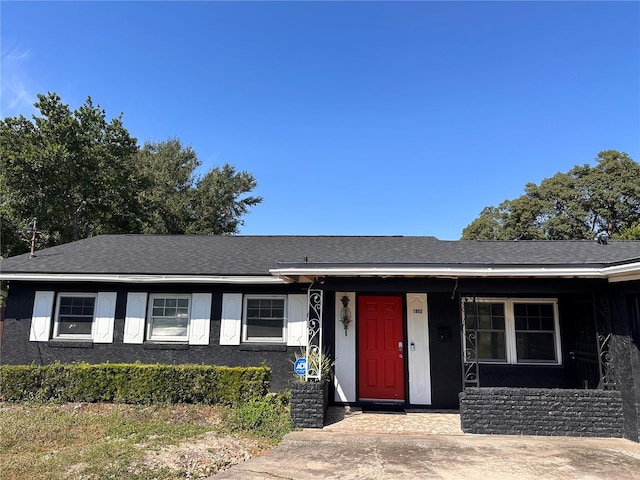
[{"x": 419, "y": 445}]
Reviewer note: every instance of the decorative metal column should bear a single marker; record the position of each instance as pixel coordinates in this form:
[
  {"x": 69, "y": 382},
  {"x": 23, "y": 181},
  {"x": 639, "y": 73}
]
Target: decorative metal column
[
  {"x": 470, "y": 369},
  {"x": 602, "y": 314},
  {"x": 314, "y": 339}
]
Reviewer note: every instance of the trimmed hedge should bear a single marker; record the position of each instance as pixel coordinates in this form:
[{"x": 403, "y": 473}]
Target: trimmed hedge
[{"x": 133, "y": 383}]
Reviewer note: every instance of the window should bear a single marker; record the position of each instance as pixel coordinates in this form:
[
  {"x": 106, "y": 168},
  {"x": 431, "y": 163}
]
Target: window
[
  {"x": 75, "y": 315},
  {"x": 491, "y": 340},
  {"x": 514, "y": 330},
  {"x": 264, "y": 319},
  {"x": 168, "y": 318},
  {"x": 535, "y": 332}
]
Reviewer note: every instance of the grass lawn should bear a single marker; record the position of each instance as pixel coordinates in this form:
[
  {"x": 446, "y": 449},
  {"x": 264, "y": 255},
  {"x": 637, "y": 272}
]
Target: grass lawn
[{"x": 86, "y": 441}]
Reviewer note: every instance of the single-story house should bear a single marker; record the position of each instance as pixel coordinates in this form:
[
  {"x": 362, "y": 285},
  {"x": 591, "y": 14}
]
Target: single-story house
[{"x": 409, "y": 321}]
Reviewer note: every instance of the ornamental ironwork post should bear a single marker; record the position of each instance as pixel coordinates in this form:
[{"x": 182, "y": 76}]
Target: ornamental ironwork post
[
  {"x": 470, "y": 368},
  {"x": 602, "y": 315},
  {"x": 314, "y": 339}
]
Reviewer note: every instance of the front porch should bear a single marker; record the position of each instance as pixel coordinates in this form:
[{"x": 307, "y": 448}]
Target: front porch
[{"x": 568, "y": 370}]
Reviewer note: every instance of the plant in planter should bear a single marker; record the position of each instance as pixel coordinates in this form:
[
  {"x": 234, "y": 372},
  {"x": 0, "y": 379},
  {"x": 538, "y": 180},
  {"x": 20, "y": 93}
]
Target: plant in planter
[
  {"x": 326, "y": 364},
  {"x": 310, "y": 399}
]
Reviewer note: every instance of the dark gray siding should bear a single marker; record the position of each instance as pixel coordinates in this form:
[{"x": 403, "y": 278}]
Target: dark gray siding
[
  {"x": 445, "y": 349},
  {"x": 16, "y": 349},
  {"x": 626, "y": 353}
]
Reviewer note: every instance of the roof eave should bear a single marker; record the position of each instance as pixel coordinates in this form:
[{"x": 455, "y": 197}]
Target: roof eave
[
  {"x": 613, "y": 274},
  {"x": 136, "y": 278}
]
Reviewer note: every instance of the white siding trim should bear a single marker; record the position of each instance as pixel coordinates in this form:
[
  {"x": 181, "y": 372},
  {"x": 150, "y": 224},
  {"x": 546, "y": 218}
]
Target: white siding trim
[
  {"x": 231, "y": 321},
  {"x": 104, "y": 317},
  {"x": 344, "y": 378},
  {"x": 41, "y": 317},
  {"x": 298, "y": 307},
  {"x": 418, "y": 349},
  {"x": 200, "y": 323},
  {"x": 135, "y": 317}
]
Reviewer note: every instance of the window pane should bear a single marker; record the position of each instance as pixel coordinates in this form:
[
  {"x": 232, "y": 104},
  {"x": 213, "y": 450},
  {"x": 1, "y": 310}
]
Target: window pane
[
  {"x": 72, "y": 325},
  {"x": 521, "y": 323},
  {"x": 535, "y": 346},
  {"x": 546, "y": 324},
  {"x": 498, "y": 323},
  {"x": 277, "y": 311},
  {"x": 490, "y": 315},
  {"x": 484, "y": 309},
  {"x": 169, "y": 327},
  {"x": 520, "y": 310},
  {"x": 546, "y": 310},
  {"x": 534, "y": 316},
  {"x": 484, "y": 322},
  {"x": 264, "y": 328},
  {"x": 65, "y": 305},
  {"x": 491, "y": 346}
]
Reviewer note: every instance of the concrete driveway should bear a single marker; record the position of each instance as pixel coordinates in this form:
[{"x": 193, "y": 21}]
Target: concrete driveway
[{"x": 419, "y": 445}]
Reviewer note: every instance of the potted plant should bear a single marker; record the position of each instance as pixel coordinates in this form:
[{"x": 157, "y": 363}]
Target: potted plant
[{"x": 310, "y": 397}]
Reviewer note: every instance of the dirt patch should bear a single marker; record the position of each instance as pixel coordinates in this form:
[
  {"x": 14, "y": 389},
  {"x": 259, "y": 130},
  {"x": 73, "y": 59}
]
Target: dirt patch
[{"x": 201, "y": 458}]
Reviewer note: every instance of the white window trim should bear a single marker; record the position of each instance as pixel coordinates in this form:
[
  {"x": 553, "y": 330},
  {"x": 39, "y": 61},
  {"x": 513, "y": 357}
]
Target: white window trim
[
  {"x": 246, "y": 339},
  {"x": 167, "y": 339},
  {"x": 56, "y": 324},
  {"x": 510, "y": 329}
]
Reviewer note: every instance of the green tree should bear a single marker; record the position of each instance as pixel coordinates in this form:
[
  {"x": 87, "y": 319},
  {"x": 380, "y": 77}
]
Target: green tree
[
  {"x": 178, "y": 201},
  {"x": 81, "y": 175},
  {"x": 573, "y": 205},
  {"x": 72, "y": 170},
  {"x": 220, "y": 200},
  {"x": 631, "y": 233},
  {"x": 169, "y": 170}
]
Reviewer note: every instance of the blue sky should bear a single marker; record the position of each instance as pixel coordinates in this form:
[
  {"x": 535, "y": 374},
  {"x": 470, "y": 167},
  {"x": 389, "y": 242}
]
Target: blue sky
[{"x": 363, "y": 118}]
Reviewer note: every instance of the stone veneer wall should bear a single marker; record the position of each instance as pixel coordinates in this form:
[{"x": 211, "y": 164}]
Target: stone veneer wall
[
  {"x": 539, "y": 411},
  {"x": 309, "y": 401}
]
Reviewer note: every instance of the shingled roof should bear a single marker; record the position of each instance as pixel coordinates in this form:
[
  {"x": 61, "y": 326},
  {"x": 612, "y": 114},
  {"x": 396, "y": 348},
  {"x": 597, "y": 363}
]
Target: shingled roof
[{"x": 258, "y": 255}]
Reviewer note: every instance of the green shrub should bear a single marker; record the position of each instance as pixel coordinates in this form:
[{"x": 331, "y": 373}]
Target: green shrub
[
  {"x": 267, "y": 417},
  {"x": 133, "y": 383}
]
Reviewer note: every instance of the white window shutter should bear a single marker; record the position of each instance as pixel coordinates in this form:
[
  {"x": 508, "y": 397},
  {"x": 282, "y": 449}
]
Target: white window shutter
[
  {"x": 200, "y": 322},
  {"x": 41, "y": 317},
  {"x": 134, "y": 320},
  {"x": 297, "y": 320},
  {"x": 231, "y": 323},
  {"x": 104, "y": 317}
]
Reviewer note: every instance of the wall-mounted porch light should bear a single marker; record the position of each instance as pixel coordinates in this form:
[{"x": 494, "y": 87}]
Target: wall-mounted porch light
[{"x": 345, "y": 313}]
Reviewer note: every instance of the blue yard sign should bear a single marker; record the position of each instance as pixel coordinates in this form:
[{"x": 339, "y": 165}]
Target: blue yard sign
[{"x": 300, "y": 366}]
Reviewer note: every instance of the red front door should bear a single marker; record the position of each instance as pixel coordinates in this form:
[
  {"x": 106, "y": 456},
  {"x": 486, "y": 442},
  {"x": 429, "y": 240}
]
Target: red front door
[{"x": 380, "y": 348}]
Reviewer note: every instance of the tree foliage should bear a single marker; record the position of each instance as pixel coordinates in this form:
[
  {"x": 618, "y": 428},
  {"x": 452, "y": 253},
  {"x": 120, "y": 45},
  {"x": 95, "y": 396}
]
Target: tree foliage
[
  {"x": 72, "y": 170},
  {"x": 573, "y": 205},
  {"x": 82, "y": 175},
  {"x": 179, "y": 201},
  {"x": 169, "y": 169}
]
